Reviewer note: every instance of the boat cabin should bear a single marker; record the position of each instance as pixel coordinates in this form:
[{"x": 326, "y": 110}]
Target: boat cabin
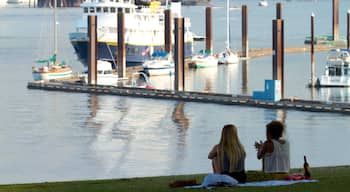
[{"x": 338, "y": 63}]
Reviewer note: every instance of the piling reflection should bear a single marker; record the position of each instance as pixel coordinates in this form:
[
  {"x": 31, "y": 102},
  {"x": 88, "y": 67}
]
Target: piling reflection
[
  {"x": 245, "y": 64},
  {"x": 201, "y": 79},
  {"x": 182, "y": 124},
  {"x": 111, "y": 141}
]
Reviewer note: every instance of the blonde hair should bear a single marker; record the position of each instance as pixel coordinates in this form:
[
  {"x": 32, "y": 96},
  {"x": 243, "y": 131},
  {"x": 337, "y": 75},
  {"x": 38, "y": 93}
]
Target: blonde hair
[{"x": 230, "y": 144}]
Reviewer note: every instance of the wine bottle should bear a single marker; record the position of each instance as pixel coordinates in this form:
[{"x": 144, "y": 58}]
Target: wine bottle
[{"x": 307, "y": 173}]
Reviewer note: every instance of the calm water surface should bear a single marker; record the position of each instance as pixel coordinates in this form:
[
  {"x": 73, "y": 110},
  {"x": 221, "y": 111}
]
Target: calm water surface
[{"x": 54, "y": 136}]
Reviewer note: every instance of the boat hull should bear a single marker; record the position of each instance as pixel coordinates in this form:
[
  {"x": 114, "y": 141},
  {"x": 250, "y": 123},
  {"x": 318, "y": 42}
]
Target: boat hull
[
  {"x": 135, "y": 54},
  {"x": 199, "y": 62},
  {"x": 334, "y": 81},
  {"x": 47, "y": 76}
]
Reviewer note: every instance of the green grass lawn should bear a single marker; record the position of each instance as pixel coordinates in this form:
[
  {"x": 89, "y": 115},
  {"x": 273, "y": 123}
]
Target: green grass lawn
[{"x": 330, "y": 179}]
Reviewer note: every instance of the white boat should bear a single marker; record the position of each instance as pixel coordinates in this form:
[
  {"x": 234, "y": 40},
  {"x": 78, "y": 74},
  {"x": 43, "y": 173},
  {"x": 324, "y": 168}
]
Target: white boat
[
  {"x": 263, "y": 3},
  {"x": 337, "y": 70},
  {"x": 160, "y": 64},
  {"x": 204, "y": 59},
  {"x": 52, "y": 69},
  {"x": 105, "y": 74},
  {"x": 227, "y": 56},
  {"x": 144, "y": 28}
]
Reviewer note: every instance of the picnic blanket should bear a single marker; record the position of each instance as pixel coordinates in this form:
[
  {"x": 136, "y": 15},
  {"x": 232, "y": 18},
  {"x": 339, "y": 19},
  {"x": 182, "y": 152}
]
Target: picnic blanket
[{"x": 214, "y": 180}]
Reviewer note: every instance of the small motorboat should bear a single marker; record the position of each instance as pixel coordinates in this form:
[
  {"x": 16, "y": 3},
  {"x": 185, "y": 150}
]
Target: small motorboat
[
  {"x": 159, "y": 64},
  {"x": 337, "y": 70},
  {"x": 105, "y": 74}
]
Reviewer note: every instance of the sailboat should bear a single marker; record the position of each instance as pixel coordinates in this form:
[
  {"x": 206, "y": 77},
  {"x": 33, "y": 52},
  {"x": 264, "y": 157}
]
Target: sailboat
[
  {"x": 227, "y": 56},
  {"x": 52, "y": 69}
]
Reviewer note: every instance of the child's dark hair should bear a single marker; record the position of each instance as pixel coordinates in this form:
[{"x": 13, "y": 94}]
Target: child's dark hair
[{"x": 275, "y": 128}]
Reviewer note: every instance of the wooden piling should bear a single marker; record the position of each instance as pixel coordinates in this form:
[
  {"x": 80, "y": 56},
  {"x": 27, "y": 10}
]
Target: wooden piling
[
  {"x": 209, "y": 28},
  {"x": 245, "y": 48},
  {"x": 167, "y": 30},
  {"x": 92, "y": 51},
  {"x": 279, "y": 10},
  {"x": 312, "y": 50},
  {"x": 278, "y": 52},
  {"x": 179, "y": 84},
  {"x": 121, "y": 54},
  {"x": 348, "y": 30},
  {"x": 335, "y": 20}
]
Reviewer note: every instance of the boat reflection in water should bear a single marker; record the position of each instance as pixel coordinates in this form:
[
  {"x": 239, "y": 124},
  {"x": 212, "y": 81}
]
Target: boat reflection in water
[{"x": 334, "y": 94}]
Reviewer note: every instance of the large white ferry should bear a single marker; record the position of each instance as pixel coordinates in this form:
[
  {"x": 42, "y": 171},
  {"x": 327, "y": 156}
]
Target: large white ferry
[{"x": 144, "y": 30}]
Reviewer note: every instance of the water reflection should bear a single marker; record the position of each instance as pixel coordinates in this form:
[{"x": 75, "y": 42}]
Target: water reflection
[
  {"x": 182, "y": 122},
  {"x": 111, "y": 142},
  {"x": 201, "y": 79},
  {"x": 245, "y": 64},
  {"x": 334, "y": 94}
]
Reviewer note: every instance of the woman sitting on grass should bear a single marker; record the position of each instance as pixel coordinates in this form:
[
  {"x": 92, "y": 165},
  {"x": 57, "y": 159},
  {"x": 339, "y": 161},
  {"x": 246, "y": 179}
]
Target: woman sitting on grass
[
  {"x": 228, "y": 156},
  {"x": 275, "y": 150}
]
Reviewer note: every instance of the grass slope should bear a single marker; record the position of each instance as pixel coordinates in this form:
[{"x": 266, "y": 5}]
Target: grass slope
[{"x": 330, "y": 179}]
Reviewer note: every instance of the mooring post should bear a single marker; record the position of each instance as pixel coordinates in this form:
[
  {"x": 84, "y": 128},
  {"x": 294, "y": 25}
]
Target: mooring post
[
  {"x": 179, "y": 84},
  {"x": 92, "y": 51},
  {"x": 279, "y": 10},
  {"x": 348, "y": 30},
  {"x": 209, "y": 28},
  {"x": 278, "y": 52},
  {"x": 312, "y": 50},
  {"x": 335, "y": 20},
  {"x": 245, "y": 47},
  {"x": 167, "y": 31},
  {"x": 121, "y": 60}
]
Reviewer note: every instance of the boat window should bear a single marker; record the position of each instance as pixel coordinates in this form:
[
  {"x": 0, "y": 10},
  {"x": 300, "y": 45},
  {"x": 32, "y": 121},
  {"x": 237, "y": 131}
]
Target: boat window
[
  {"x": 108, "y": 72},
  {"x": 100, "y": 72},
  {"x": 331, "y": 71},
  {"x": 338, "y": 71},
  {"x": 105, "y": 9},
  {"x": 92, "y": 10},
  {"x": 112, "y": 9},
  {"x": 127, "y": 10},
  {"x": 98, "y": 9},
  {"x": 86, "y": 10},
  {"x": 346, "y": 71}
]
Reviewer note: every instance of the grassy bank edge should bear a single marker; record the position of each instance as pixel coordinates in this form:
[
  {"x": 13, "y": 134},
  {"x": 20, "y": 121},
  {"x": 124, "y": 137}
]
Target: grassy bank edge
[{"x": 330, "y": 179}]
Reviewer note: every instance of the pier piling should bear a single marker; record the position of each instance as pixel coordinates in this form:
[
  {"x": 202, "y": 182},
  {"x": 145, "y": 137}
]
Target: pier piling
[
  {"x": 92, "y": 51},
  {"x": 312, "y": 50},
  {"x": 179, "y": 84},
  {"x": 167, "y": 31},
  {"x": 278, "y": 10},
  {"x": 121, "y": 60},
  {"x": 245, "y": 48},
  {"x": 245, "y": 64},
  {"x": 278, "y": 52},
  {"x": 209, "y": 28},
  {"x": 348, "y": 30},
  {"x": 335, "y": 20}
]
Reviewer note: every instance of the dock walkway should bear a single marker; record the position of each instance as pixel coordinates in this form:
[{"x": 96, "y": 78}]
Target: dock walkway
[{"x": 224, "y": 99}]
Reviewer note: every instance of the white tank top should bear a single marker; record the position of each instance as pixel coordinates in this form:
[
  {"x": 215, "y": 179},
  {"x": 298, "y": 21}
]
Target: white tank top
[{"x": 278, "y": 161}]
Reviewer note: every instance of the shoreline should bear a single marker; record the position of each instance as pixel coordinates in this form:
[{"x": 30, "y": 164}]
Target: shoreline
[{"x": 318, "y": 173}]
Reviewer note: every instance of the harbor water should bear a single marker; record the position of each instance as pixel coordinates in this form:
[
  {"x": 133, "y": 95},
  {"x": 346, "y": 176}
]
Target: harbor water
[{"x": 59, "y": 136}]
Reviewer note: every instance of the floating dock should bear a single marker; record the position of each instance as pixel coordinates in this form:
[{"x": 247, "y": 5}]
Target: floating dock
[{"x": 224, "y": 99}]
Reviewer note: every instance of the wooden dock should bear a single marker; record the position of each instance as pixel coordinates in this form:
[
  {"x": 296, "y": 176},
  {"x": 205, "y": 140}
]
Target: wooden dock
[{"x": 224, "y": 99}]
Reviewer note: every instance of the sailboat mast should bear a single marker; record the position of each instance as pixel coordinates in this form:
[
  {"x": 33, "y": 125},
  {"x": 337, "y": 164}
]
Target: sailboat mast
[
  {"x": 228, "y": 24},
  {"x": 55, "y": 26}
]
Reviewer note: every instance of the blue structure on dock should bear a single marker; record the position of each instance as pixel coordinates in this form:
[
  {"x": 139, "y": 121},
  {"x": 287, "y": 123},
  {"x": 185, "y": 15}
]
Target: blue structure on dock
[{"x": 272, "y": 91}]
